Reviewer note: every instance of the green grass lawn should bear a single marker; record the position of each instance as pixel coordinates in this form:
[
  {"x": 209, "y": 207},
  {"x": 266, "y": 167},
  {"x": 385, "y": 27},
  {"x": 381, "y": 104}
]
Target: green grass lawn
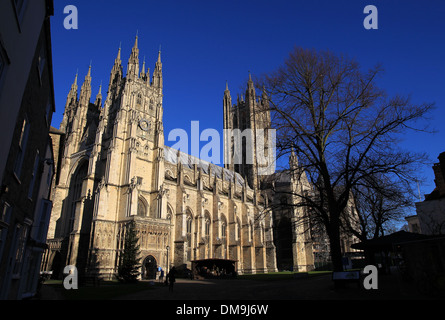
[
  {"x": 283, "y": 275},
  {"x": 113, "y": 289},
  {"x": 105, "y": 291}
]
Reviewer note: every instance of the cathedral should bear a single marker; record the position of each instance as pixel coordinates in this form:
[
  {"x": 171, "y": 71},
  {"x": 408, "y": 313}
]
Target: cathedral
[{"x": 113, "y": 168}]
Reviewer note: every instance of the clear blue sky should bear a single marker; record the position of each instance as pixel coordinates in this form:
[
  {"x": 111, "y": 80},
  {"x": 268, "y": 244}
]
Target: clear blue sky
[{"x": 206, "y": 43}]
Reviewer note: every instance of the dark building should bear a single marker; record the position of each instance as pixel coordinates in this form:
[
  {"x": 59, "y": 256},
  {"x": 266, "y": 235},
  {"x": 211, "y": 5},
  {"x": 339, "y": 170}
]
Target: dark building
[{"x": 26, "y": 105}]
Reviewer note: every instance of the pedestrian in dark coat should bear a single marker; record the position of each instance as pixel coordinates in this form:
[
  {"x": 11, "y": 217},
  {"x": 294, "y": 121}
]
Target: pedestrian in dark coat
[{"x": 171, "y": 278}]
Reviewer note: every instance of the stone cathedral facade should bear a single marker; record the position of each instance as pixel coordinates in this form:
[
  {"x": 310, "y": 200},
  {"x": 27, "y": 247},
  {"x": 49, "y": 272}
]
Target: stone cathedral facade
[{"x": 113, "y": 168}]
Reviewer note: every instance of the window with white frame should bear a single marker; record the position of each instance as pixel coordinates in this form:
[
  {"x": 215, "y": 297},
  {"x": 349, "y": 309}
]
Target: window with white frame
[
  {"x": 5, "y": 212},
  {"x": 21, "y": 233},
  {"x": 34, "y": 175},
  {"x": 23, "y": 141},
  {"x": 42, "y": 62},
  {"x": 48, "y": 110},
  {"x": 45, "y": 212}
]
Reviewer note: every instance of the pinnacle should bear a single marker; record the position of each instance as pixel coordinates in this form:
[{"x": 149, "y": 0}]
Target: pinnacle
[
  {"x": 119, "y": 52},
  {"x": 136, "y": 40}
]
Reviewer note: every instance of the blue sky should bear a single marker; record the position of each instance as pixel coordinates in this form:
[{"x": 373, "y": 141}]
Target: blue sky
[{"x": 206, "y": 43}]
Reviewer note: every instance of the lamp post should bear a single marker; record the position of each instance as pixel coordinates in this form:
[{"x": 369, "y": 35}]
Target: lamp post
[{"x": 167, "y": 258}]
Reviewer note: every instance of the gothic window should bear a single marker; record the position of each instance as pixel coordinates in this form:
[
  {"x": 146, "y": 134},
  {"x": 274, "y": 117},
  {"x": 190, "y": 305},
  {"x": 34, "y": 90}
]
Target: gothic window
[
  {"x": 76, "y": 192},
  {"x": 262, "y": 234},
  {"x": 142, "y": 208},
  {"x": 189, "y": 222},
  {"x": 169, "y": 213},
  {"x": 207, "y": 225},
  {"x": 139, "y": 105},
  {"x": 238, "y": 229},
  {"x": 151, "y": 104},
  {"x": 223, "y": 228},
  {"x": 243, "y": 121}
]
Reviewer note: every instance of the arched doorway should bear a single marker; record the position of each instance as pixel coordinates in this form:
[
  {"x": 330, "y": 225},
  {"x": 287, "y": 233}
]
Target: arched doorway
[
  {"x": 150, "y": 265},
  {"x": 56, "y": 266}
]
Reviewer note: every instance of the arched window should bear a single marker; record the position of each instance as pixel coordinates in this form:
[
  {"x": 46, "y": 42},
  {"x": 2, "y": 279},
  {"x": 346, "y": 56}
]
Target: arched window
[
  {"x": 189, "y": 223},
  {"x": 223, "y": 227},
  {"x": 207, "y": 224},
  {"x": 139, "y": 105},
  {"x": 238, "y": 229},
  {"x": 142, "y": 208},
  {"x": 169, "y": 212},
  {"x": 76, "y": 192}
]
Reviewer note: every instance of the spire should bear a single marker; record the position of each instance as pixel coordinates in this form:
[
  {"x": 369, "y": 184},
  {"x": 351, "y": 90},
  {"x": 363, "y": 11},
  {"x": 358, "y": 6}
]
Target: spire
[
  {"x": 227, "y": 124},
  {"x": 159, "y": 55},
  {"x": 157, "y": 73},
  {"x": 116, "y": 71},
  {"x": 250, "y": 82},
  {"x": 250, "y": 93},
  {"x": 227, "y": 97},
  {"x": 264, "y": 98},
  {"x": 293, "y": 160},
  {"x": 142, "y": 75},
  {"x": 264, "y": 95},
  {"x": 71, "y": 101},
  {"x": 85, "y": 91},
  {"x": 89, "y": 72},
  {"x": 118, "y": 58},
  {"x": 133, "y": 61},
  {"x": 74, "y": 87},
  {"x": 99, "y": 96}
]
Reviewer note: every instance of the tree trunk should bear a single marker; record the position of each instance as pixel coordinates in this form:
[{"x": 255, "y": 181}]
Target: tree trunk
[{"x": 335, "y": 247}]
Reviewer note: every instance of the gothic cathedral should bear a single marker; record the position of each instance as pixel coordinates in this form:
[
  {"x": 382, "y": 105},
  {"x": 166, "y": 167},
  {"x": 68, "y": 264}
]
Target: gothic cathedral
[{"x": 113, "y": 168}]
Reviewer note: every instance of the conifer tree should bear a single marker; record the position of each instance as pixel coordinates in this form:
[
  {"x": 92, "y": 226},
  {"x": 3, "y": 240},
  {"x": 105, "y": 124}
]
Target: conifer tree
[{"x": 128, "y": 269}]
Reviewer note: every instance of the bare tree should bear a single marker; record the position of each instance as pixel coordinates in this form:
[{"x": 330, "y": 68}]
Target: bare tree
[
  {"x": 379, "y": 203},
  {"x": 344, "y": 129}
]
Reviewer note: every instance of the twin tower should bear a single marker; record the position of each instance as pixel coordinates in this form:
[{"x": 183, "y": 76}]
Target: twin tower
[{"x": 113, "y": 168}]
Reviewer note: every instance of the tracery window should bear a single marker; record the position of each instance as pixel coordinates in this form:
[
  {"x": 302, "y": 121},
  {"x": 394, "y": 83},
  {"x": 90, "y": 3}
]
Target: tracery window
[{"x": 142, "y": 208}]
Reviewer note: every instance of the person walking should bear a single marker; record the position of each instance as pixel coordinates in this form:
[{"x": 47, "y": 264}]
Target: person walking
[{"x": 171, "y": 278}]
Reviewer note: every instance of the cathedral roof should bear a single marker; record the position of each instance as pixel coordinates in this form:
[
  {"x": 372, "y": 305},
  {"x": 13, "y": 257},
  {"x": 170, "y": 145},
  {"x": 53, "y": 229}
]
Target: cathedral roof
[{"x": 172, "y": 155}]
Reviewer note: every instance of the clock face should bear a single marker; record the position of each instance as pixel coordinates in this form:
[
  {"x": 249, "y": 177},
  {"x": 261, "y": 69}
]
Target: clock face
[{"x": 144, "y": 125}]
